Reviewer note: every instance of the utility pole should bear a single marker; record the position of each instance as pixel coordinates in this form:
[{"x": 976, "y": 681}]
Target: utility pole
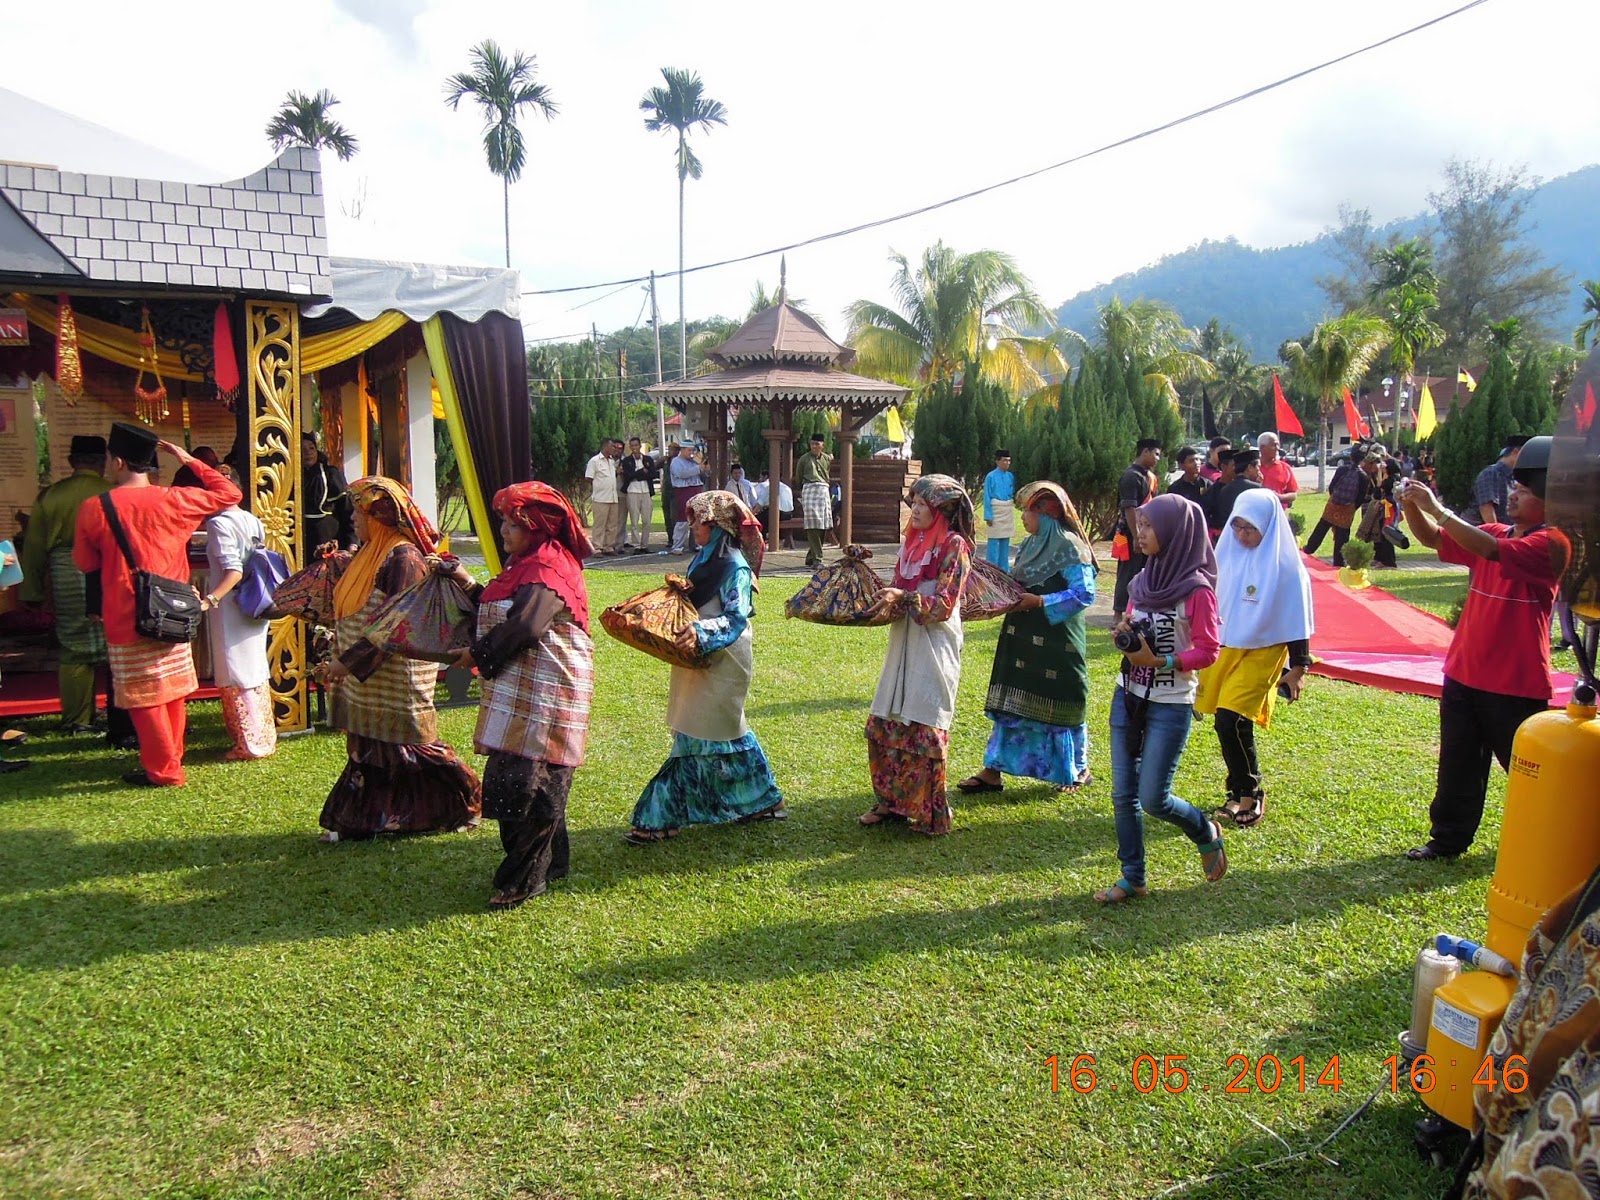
[
  {"x": 661, "y": 404},
  {"x": 622, "y": 391}
]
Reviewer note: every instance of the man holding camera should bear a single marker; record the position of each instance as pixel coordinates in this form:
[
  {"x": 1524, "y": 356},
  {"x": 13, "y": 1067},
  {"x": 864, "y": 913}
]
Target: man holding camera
[{"x": 1497, "y": 671}]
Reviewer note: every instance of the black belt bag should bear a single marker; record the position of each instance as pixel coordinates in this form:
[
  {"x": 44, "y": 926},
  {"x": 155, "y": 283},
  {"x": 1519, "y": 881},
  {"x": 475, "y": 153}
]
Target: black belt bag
[{"x": 164, "y": 610}]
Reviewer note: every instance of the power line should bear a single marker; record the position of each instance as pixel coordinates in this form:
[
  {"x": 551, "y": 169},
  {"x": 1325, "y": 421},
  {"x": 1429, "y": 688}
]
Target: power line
[{"x": 1196, "y": 115}]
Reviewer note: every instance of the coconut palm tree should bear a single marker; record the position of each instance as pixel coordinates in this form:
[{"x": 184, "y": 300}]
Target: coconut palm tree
[
  {"x": 303, "y": 120},
  {"x": 1336, "y": 356},
  {"x": 683, "y": 107},
  {"x": 955, "y": 309},
  {"x": 1150, "y": 335},
  {"x": 1504, "y": 335},
  {"x": 1588, "y": 331},
  {"x": 1407, "y": 263},
  {"x": 503, "y": 87},
  {"x": 1412, "y": 330}
]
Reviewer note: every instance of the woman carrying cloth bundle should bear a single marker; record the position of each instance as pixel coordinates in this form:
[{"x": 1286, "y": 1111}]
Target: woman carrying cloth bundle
[
  {"x": 1173, "y": 610},
  {"x": 537, "y": 665},
  {"x": 1039, "y": 685},
  {"x": 1264, "y": 599},
  {"x": 908, "y": 733},
  {"x": 717, "y": 771},
  {"x": 400, "y": 778}
]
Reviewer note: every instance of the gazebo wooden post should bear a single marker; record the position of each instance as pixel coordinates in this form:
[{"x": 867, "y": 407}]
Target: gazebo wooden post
[
  {"x": 849, "y": 431},
  {"x": 717, "y": 439},
  {"x": 774, "y": 436}
]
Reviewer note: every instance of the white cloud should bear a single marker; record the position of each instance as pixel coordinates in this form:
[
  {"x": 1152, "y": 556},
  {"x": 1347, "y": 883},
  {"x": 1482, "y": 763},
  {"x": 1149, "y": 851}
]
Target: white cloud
[{"x": 841, "y": 113}]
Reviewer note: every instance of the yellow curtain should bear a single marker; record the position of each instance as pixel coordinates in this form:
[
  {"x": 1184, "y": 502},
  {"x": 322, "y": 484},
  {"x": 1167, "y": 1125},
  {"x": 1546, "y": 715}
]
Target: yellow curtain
[
  {"x": 323, "y": 350},
  {"x": 119, "y": 345},
  {"x": 445, "y": 381},
  {"x": 101, "y": 338}
]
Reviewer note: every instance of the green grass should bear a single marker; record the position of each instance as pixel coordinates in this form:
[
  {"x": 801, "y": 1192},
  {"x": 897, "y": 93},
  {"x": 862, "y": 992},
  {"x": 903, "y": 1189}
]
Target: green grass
[{"x": 198, "y": 1000}]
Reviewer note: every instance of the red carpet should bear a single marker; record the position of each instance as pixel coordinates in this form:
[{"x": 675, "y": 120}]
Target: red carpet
[
  {"x": 33, "y": 694},
  {"x": 1376, "y": 638}
]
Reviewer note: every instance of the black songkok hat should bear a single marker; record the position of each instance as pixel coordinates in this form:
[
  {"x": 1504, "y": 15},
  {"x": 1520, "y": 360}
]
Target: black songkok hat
[
  {"x": 134, "y": 444},
  {"x": 87, "y": 445},
  {"x": 1245, "y": 458}
]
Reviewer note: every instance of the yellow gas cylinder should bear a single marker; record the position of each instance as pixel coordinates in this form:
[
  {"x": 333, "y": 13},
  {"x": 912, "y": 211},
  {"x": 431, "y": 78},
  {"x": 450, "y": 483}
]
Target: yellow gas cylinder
[{"x": 1549, "y": 844}]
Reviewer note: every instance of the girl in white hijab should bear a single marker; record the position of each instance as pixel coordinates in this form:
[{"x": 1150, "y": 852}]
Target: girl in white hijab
[{"x": 1264, "y": 601}]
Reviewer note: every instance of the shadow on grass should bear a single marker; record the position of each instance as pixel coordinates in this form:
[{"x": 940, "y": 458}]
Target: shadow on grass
[
  {"x": 1056, "y": 929},
  {"x": 801, "y": 708}
]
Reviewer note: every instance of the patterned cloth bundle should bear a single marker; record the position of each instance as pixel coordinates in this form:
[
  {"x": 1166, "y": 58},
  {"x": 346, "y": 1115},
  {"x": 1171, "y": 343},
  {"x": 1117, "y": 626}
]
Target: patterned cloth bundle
[{"x": 652, "y": 621}]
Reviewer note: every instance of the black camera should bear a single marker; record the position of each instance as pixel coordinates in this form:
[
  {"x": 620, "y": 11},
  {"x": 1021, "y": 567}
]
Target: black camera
[{"x": 1141, "y": 629}]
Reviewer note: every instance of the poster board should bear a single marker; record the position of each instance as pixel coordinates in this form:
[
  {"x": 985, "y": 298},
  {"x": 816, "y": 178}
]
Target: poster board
[{"x": 19, "y": 471}]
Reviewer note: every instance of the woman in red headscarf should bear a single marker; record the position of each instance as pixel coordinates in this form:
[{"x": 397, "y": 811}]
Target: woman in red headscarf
[
  {"x": 536, "y": 661},
  {"x": 400, "y": 778}
]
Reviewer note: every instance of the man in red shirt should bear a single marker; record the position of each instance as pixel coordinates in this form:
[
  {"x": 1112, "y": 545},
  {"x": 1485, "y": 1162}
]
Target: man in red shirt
[
  {"x": 1275, "y": 473},
  {"x": 150, "y": 678},
  {"x": 1497, "y": 671}
]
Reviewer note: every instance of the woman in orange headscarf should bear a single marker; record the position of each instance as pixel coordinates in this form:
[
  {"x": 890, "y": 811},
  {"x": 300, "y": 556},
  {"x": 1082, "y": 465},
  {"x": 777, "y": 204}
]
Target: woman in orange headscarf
[
  {"x": 400, "y": 778},
  {"x": 536, "y": 661}
]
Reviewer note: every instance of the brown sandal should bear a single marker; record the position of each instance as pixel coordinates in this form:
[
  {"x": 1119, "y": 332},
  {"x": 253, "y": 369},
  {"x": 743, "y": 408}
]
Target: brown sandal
[
  {"x": 1250, "y": 811},
  {"x": 648, "y": 837},
  {"x": 876, "y": 815},
  {"x": 1120, "y": 892}
]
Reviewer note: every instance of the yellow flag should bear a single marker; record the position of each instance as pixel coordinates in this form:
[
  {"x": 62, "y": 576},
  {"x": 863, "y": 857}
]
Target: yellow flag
[
  {"x": 1465, "y": 376},
  {"x": 896, "y": 431},
  {"x": 1427, "y": 418}
]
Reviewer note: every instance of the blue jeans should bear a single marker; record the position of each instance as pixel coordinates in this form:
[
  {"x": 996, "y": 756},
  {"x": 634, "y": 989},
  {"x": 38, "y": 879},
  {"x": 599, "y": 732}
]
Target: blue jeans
[{"x": 1141, "y": 778}]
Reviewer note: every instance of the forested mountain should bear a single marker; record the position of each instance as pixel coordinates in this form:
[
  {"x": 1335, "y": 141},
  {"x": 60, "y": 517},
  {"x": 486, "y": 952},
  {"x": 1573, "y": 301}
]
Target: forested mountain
[{"x": 1267, "y": 296}]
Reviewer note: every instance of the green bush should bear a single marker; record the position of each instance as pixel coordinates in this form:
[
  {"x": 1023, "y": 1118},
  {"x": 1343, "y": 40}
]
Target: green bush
[
  {"x": 1357, "y": 555},
  {"x": 1297, "y": 525}
]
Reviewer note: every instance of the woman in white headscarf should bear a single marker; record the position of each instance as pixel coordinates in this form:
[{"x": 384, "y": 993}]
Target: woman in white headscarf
[{"x": 1264, "y": 601}]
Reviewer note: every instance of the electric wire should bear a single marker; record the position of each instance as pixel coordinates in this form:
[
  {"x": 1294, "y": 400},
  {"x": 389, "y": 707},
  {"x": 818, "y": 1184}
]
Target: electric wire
[{"x": 1195, "y": 115}]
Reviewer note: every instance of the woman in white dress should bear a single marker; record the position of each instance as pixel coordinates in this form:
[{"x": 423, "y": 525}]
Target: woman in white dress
[{"x": 239, "y": 664}]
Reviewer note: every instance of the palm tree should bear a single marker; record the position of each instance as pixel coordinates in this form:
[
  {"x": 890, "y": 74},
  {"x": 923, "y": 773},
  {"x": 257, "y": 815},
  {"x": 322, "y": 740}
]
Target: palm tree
[
  {"x": 955, "y": 309},
  {"x": 1412, "y": 329},
  {"x": 682, "y": 106},
  {"x": 1504, "y": 335},
  {"x": 1150, "y": 336},
  {"x": 503, "y": 88},
  {"x": 1238, "y": 381},
  {"x": 303, "y": 120},
  {"x": 1336, "y": 355},
  {"x": 1588, "y": 331},
  {"x": 1407, "y": 263}
]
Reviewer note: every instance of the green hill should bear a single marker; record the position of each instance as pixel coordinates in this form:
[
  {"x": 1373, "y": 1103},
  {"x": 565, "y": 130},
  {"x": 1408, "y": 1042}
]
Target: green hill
[{"x": 1269, "y": 295}]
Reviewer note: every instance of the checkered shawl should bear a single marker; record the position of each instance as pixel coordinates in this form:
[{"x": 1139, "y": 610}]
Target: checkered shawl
[
  {"x": 537, "y": 707},
  {"x": 816, "y": 506},
  {"x": 395, "y": 704},
  {"x": 145, "y": 673}
]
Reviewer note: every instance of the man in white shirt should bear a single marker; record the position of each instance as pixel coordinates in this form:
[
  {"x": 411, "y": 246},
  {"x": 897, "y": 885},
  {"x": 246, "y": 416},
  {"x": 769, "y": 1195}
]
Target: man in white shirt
[
  {"x": 740, "y": 486},
  {"x": 763, "y": 492},
  {"x": 606, "y": 529}
]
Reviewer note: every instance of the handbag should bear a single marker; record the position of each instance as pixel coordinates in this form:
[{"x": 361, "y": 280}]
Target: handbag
[
  {"x": 842, "y": 593},
  {"x": 652, "y": 621},
  {"x": 264, "y": 571},
  {"x": 164, "y": 610},
  {"x": 308, "y": 593},
  {"x": 988, "y": 592},
  {"x": 431, "y": 620}
]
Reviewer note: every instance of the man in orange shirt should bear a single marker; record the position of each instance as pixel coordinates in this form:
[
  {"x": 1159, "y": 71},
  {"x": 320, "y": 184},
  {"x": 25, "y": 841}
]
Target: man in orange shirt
[
  {"x": 1276, "y": 475},
  {"x": 150, "y": 678}
]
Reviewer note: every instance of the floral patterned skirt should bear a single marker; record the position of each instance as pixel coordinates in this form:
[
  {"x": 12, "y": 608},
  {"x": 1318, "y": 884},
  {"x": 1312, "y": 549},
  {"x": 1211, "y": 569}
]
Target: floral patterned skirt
[
  {"x": 1057, "y": 754},
  {"x": 247, "y": 716},
  {"x": 908, "y": 771},
  {"x": 707, "y": 783}
]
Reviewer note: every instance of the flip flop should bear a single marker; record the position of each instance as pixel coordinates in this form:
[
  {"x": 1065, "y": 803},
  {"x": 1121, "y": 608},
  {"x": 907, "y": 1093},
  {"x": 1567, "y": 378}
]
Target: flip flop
[
  {"x": 1218, "y": 866},
  {"x": 648, "y": 837},
  {"x": 1120, "y": 892},
  {"x": 876, "y": 815},
  {"x": 973, "y": 786}
]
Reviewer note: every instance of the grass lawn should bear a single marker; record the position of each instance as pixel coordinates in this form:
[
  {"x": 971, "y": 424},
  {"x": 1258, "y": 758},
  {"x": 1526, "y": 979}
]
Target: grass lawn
[{"x": 198, "y": 1000}]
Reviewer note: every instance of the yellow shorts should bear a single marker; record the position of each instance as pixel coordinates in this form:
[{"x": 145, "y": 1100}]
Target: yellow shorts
[{"x": 1243, "y": 681}]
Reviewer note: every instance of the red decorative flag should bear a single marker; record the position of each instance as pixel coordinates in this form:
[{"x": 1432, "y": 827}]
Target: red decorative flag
[
  {"x": 1352, "y": 418},
  {"x": 1286, "y": 420},
  {"x": 1586, "y": 413},
  {"x": 224, "y": 363}
]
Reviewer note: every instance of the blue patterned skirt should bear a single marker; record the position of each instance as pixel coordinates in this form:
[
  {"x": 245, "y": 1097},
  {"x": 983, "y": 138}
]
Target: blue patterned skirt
[
  {"x": 1055, "y": 753},
  {"x": 707, "y": 783}
]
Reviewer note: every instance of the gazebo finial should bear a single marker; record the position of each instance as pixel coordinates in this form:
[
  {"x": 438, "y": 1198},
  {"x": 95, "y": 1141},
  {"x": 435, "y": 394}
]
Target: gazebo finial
[{"x": 783, "y": 279}]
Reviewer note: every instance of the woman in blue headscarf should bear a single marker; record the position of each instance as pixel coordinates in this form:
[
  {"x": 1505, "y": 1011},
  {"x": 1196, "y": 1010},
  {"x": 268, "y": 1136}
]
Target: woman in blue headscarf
[
  {"x": 717, "y": 771},
  {"x": 1039, "y": 685}
]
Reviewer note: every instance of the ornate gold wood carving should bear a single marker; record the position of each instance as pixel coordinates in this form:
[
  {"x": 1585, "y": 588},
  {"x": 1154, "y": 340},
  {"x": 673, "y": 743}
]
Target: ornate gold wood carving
[{"x": 273, "y": 370}]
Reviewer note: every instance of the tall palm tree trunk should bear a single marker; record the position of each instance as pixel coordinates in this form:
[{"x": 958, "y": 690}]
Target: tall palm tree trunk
[
  {"x": 505, "y": 186},
  {"x": 683, "y": 324}
]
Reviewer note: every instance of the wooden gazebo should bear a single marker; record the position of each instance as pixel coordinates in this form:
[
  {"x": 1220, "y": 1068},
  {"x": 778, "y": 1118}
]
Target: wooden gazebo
[{"x": 782, "y": 360}]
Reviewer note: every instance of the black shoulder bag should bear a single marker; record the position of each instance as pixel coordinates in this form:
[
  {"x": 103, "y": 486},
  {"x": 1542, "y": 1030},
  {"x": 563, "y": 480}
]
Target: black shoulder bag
[{"x": 164, "y": 610}]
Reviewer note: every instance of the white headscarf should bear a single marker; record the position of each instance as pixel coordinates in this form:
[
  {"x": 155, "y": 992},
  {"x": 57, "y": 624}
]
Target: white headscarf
[{"x": 1263, "y": 595}]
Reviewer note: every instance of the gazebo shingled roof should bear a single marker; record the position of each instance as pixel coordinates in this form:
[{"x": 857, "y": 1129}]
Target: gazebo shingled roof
[{"x": 783, "y": 359}]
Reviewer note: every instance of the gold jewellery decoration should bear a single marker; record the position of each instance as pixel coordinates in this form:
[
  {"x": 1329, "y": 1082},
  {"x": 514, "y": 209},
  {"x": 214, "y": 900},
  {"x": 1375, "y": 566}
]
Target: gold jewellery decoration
[{"x": 149, "y": 406}]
